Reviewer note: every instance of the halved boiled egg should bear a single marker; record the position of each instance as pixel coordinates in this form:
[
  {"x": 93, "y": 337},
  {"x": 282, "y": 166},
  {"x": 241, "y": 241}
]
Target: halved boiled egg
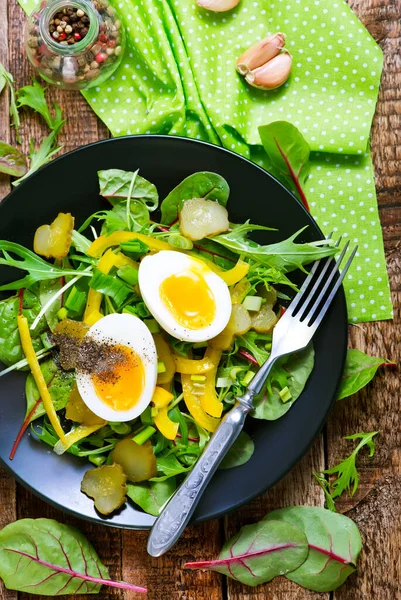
[
  {"x": 117, "y": 367},
  {"x": 188, "y": 300}
]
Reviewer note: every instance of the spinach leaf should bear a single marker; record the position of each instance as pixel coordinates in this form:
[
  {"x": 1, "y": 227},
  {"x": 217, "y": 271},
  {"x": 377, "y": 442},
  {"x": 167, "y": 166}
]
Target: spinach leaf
[
  {"x": 222, "y": 257},
  {"x": 334, "y": 546},
  {"x": 115, "y": 185},
  {"x": 12, "y": 161},
  {"x": 359, "y": 371},
  {"x": 204, "y": 184},
  {"x": 285, "y": 256},
  {"x": 152, "y": 496},
  {"x": 42, "y": 556},
  {"x": 59, "y": 384},
  {"x": 288, "y": 154},
  {"x": 47, "y": 289},
  {"x": 260, "y": 552},
  {"x": 116, "y": 218},
  {"x": 10, "y": 345},
  {"x": 34, "y": 97},
  {"x": 292, "y": 372},
  {"x": 239, "y": 453}
]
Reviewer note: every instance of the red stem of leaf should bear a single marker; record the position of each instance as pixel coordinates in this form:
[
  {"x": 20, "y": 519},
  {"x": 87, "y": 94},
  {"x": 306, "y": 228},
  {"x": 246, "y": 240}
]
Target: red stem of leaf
[
  {"x": 391, "y": 365},
  {"x": 98, "y": 580},
  {"x": 340, "y": 559},
  {"x": 248, "y": 356},
  {"x": 190, "y": 439},
  {"x": 24, "y": 427},
  {"x": 293, "y": 176},
  {"x": 208, "y": 564},
  {"x": 282, "y": 311},
  {"x": 62, "y": 279},
  {"x": 21, "y": 300}
]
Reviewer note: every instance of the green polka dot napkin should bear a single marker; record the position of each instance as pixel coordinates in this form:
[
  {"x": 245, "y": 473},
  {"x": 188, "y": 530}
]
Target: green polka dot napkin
[{"x": 178, "y": 77}]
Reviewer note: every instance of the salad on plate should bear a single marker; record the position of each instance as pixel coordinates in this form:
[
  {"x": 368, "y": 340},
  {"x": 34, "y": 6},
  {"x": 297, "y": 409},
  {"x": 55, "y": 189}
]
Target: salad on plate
[{"x": 139, "y": 328}]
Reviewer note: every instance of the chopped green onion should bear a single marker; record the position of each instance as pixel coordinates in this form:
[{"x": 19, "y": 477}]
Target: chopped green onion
[
  {"x": 235, "y": 371},
  {"x": 97, "y": 460},
  {"x": 252, "y": 303},
  {"x": 139, "y": 310},
  {"x": 201, "y": 378},
  {"x": 179, "y": 241},
  {"x": 120, "y": 428},
  {"x": 62, "y": 313},
  {"x": 152, "y": 325},
  {"x": 285, "y": 394},
  {"x": 146, "y": 416},
  {"x": 128, "y": 274},
  {"x": 161, "y": 367},
  {"x": 268, "y": 346},
  {"x": 223, "y": 382},
  {"x": 199, "y": 345},
  {"x": 110, "y": 286},
  {"x": 47, "y": 340},
  {"x": 134, "y": 248},
  {"x": 76, "y": 301},
  {"x": 144, "y": 435},
  {"x": 248, "y": 378}
]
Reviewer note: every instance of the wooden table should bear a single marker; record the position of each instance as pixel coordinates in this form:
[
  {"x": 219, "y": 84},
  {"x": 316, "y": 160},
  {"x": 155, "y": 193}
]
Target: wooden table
[{"x": 376, "y": 509}]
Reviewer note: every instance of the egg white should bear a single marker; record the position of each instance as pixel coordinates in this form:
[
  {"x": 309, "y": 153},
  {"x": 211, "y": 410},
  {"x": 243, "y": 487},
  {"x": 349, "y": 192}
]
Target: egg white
[
  {"x": 154, "y": 269},
  {"x": 125, "y": 330}
]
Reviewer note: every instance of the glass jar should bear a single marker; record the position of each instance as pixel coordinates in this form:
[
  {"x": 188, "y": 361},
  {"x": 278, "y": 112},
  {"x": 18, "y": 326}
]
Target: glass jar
[{"x": 74, "y": 44}]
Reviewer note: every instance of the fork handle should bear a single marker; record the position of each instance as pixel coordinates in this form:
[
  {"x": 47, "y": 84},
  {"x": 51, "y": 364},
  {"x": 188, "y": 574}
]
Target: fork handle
[{"x": 178, "y": 511}]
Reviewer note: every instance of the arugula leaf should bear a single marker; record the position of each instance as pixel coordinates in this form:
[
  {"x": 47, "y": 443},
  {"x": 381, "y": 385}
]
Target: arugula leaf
[
  {"x": 240, "y": 452},
  {"x": 12, "y": 161},
  {"x": 334, "y": 546},
  {"x": 151, "y": 496},
  {"x": 324, "y": 484},
  {"x": 204, "y": 184},
  {"x": 80, "y": 242},
  {"x": 34, "y": 97},
  {"x": 10, "y": 346},
  {"x": 359, "y": 370},
  {"x": 170, "y": 466},
  {"x": 289, "y": 154},
  {"x": 292, "y": 371},
  {"x": 42, "y": 556},
  {"x": 285, "y": 256},
  {"x": 347, "y": 476},
  {"x": 260, "y": 552},
  {"x": 115, "y": 185},
  {"x": 42, "y": 155},
  {"x": 5, "y": 76},
  {"x": 38, "y": 269},
  {"x": 255, "y": 342}
]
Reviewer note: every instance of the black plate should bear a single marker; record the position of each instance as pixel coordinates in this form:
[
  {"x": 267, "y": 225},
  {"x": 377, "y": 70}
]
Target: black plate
[{"x": 70, "y": 184}]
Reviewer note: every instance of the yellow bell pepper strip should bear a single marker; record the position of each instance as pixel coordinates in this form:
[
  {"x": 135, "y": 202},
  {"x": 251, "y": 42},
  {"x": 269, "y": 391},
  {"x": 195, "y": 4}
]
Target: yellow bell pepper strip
[
  {"x": 114, "y": 239},
  {"x": 121, "y": 260},
  {"x": 209, "y": 400},
  {"x": 93, "y": 318},
  {"x": 187, "y": 366},
  {"x": 105, "y": 264},
  {"x": 77, "y": 434},
  {"x": 192, "y": 401},
  {"x": 164, "y": 355},
  {"x": 165, "y": 425},
  {"x": 231, "y": 276},
  {"x": 27, "y": 346},
  {"x": 161, "y": 397}
]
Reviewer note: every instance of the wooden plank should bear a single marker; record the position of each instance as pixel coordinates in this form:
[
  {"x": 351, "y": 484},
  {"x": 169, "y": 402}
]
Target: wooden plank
[{"x": 297, "y": 488}]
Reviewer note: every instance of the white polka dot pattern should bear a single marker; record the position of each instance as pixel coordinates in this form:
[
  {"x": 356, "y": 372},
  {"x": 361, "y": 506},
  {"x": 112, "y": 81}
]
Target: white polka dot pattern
[{"x": 178, "y": 77}]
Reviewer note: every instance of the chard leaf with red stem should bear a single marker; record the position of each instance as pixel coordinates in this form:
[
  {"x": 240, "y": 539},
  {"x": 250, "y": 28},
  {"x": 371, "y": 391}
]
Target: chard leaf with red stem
[
  {"x": 359, "y": 371},
  {"x": 288, "y": 153},
  {"x": 260, "y": 552},
  {"x": 12, "y": 161},
  {"x": 42, "y": 556},
  {"x": 334, "y": 546}
]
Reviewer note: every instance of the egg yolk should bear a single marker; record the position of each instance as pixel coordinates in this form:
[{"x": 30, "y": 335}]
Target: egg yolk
[
  {"x": 189, "y": 299},
  {"x": 121, "y": 380}
]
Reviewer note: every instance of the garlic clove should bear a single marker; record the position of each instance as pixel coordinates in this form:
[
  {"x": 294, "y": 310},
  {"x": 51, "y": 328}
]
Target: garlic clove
[
  {"x": 260, "y": 53},
  {"x": 271, "y": 75},
  {"x": 217, "y": 5}
]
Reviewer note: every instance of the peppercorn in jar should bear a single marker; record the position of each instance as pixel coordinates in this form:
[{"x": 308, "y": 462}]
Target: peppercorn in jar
[{"x": 75, "y": 43}]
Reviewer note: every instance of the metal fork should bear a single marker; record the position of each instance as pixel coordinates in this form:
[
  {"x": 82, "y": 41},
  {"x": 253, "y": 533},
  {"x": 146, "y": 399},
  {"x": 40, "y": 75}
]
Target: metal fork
[{"x": 293, "y": 332}]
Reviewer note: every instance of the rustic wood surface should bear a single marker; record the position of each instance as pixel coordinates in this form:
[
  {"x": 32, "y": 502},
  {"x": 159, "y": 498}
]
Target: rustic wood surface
[{"x": 376, "y": 509}]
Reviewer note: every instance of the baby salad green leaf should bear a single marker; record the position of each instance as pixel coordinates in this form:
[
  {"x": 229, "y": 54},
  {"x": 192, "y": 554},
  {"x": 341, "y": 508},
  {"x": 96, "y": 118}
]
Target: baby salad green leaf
[
  {"x": 285, "y": 255},
  {"x": 204, "y": 184},
  {"x": 334, "y": 546},
  {"x": 47, "y": 290},
  {"x": 347, "y": 476},
  {"x": 293, "y": 373},
  {"x": 7, "y": 78},
  {"x": 115, "y": 186},
  {"x": 288, "y": 154},
  {"x": 151, "y": 496},
  {"x": 12, "y": 161},
  {"x": 260, "y": 552},
  {"x": 359, "y": 371},
  {"x": 34, "y": 97},
  {"x": 239, "y": 453},
  {"x": 41, "y": 156},
  {"x": 42, "y": 556}
]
